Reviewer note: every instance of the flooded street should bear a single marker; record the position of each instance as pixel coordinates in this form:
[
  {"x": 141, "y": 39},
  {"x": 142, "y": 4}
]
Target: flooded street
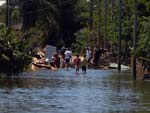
[{"x": 98, "y": 91}]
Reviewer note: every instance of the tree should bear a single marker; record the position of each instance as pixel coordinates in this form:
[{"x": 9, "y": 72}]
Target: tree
[
  {"x": 81, "y": 40},
  {"x": 12, "y": 57},
  {"x": 144, "y": 38}
]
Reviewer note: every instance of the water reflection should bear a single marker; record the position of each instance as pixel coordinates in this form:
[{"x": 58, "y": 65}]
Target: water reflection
[{"x": 64, "y": 91}]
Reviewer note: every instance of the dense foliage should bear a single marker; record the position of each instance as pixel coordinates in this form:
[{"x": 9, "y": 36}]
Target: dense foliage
[
  {"x": 109, "y": 25},
  {"x": 57, "y": 19},
  {"x": 12, "y": 57}
]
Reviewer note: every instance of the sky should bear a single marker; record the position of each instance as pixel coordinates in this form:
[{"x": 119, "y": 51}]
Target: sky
[{"x": 2, "y": 2}]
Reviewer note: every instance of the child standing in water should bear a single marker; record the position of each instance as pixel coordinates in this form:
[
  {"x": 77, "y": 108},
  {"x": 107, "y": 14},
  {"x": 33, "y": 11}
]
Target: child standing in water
[
  {"x": 84, "y": 64},
  {"x": 77, "y": 62}
]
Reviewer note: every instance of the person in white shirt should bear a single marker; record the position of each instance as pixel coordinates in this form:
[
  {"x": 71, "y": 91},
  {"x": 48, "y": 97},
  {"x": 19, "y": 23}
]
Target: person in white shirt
[
  {"x": 88, "y": 54},
  {"x": 68, "y": 55}
]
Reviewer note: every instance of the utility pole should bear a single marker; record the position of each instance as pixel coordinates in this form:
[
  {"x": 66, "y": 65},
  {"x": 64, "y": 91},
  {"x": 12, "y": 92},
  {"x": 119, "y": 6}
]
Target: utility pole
[
  {"x": 98, "y": 38},
  {"x": 119, "y": 35},
  {"x": 135, "y": 38}
]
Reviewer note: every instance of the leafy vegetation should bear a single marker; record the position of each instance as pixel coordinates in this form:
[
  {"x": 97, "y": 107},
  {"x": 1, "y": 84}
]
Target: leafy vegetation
[
  {"x": 12, "y": 57},
  {"x": 127, "y": 25},
  {"x": 144, "y": 37}
]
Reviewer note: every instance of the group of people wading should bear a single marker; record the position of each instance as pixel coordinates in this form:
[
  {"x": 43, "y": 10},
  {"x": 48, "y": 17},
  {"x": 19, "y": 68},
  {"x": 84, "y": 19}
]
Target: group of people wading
[
  {"x": 65, "y": 59},
  {"x": 90, "y": 57}
]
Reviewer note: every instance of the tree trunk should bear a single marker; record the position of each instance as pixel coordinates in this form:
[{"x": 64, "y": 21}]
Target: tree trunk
[
  {"x": 112, "y": 17},
  {"x": 119, "y": 36},
  {"x": 126, "y": 51},
  {"x": 91, "y": 14},
  {"x": 105, "y": 24},
  {"x": 98, "y": 40},
  {"x": 112, "y": 10},
  {"x": 8, "y": 13},
  {"x": 135, "y": 38}
]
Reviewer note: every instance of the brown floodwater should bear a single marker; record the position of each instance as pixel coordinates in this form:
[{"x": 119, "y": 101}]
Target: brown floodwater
[{"x": 98, "y": 91}]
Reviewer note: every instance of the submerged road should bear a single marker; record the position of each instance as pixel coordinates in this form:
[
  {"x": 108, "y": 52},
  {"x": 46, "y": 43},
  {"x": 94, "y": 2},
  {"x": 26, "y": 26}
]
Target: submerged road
[{"x": 98, "y": 91}]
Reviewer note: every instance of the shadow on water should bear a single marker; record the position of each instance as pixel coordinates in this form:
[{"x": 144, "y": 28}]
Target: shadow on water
[{"x": 98, "y": 91}]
